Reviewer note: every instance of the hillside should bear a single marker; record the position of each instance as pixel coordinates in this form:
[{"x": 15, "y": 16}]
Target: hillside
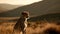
[
  {"x": 6, "y": 7},
  {"x": 38, "y": 8},
  {"x": 48, "y": 17}
]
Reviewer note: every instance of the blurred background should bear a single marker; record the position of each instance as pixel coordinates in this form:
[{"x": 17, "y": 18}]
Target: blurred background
[
  {"x": 13, "y": 8},
  {"x": 44, "y": 14}
]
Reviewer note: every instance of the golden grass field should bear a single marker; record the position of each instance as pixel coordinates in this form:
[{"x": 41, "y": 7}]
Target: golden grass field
[{"x": 33, "y": 28}]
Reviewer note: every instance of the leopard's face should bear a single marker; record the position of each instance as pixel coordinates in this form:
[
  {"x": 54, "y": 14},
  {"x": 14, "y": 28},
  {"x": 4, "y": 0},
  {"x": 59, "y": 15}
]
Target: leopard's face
[{"x": 25, "y": 14}]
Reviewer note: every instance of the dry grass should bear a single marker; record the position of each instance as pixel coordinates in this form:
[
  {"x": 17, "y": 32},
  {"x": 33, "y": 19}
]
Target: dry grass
[{"x": 33, "y": 28}]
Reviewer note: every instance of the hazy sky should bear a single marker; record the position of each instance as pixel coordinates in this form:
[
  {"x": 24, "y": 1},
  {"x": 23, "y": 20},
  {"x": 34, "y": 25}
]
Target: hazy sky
[{"x": 19, "y": 2}]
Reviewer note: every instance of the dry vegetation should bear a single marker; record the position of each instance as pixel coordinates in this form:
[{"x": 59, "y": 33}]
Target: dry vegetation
[{"x": 33, "y": 28}]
